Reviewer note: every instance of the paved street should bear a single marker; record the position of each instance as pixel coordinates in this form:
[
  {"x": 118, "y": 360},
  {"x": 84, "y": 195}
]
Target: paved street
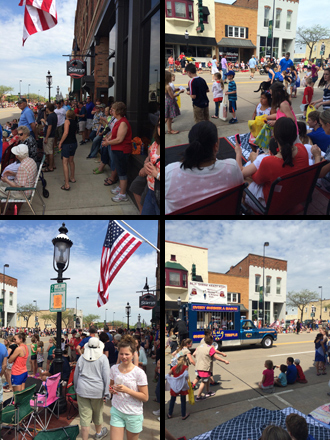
[
  {"x": 246, "y": 103},
  {"x": 238, "y": 390}
]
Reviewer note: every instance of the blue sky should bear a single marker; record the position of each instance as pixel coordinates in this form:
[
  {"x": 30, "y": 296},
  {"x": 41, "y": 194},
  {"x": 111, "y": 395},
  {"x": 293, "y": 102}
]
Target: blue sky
[
  {"x": 302, "y": 243},
  {"x": 27, "y": 247},
  {"x": 42, "y": 51}
]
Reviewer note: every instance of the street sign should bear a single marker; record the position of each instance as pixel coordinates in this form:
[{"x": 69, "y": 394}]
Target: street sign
[
  {"x": 148, "y": 301},
  {"x": 57, "y": 302},
  {"x": 312, "y": 315}
]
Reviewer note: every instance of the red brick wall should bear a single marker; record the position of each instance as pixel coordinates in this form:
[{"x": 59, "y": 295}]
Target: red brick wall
[{"x": 257, "y": 260}]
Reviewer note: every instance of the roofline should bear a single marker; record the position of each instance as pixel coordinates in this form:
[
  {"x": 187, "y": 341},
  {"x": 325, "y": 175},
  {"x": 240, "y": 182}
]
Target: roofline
[
  {"x": 228, "y": 274},
  {"x": 272, "y": 258},
  {"x": 183, "y": 244}
]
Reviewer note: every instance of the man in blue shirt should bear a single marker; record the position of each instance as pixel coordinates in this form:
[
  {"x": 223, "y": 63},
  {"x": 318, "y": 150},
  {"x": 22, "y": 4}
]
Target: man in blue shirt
[
  {"x": 252, "y": 64},
  {"x": 27, "y": 117},
  {"x": 291, "y": 374},
  {"x": 286, "y": 62}
]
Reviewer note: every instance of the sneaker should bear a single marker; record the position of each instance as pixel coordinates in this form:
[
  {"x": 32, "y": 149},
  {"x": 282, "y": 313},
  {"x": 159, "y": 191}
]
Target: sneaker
[
  {"x": 120, "y": 198},
  {"x": 233, "y": 121},
  {"x": 116, "y": 190},
  {"x": 156, "y": 413},
  {"x": 102, "y": 434}
]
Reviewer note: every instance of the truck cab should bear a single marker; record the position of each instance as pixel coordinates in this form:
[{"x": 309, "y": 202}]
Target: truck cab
[{"x": 228, "y": 329}]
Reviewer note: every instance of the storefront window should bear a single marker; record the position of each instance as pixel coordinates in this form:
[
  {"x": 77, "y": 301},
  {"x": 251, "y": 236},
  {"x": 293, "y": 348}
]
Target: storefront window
[{"x": 112, "y": 48}]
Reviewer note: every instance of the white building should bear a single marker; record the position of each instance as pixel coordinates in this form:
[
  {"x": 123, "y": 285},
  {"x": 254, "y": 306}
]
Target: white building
[
  {"x": 285, "y": 25},
  {"x": 181, "y": 17},
  {"x": 9, "y": 294},
  {"x": 275, "y": 285}
]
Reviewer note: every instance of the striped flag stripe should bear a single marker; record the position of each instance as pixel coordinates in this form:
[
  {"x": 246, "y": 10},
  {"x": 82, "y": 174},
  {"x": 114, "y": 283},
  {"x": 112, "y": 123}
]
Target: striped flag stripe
[{"x": 39, "y": 15}]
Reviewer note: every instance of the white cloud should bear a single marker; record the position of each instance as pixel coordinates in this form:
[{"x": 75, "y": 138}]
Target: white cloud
[{"x": 42, "y": 51}]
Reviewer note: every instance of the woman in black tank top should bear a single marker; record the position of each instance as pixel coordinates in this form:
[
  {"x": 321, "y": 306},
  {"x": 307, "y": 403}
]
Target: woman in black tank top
[{"x": 68, "y": 144}]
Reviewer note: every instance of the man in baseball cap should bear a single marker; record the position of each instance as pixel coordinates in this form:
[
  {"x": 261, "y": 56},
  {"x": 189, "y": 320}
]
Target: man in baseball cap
[{"x": 25, "y": 177}]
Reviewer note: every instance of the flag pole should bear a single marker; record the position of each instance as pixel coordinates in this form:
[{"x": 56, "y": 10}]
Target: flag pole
[{"x": 144, "y": 239}]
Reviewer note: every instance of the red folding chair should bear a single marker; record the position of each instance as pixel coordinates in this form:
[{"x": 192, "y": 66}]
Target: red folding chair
[
  {"x": 290, "y": 194},
  {"x": 225, "y": 203},
  {"x": 326, "y": 194}
]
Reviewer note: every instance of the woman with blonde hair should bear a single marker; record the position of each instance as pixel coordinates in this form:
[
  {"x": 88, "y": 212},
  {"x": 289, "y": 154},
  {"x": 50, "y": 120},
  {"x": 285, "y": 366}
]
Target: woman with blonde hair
[{"x": 68, "y": 144}]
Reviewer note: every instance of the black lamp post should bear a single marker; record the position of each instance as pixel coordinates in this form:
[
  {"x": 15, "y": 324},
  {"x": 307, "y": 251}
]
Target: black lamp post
[
  {"x": 128, "y": 311},
  {"x": 62, "y": 245},
  {"x": 49, "y": 82}
]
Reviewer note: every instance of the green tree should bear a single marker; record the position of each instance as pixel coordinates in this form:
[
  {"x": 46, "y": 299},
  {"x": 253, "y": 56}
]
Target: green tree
[
  {"x": 4, "y": 90},
  {"x": 301, "y": 299},
  {"x": 26, "y": 311},
  {"x": 310, "y": 36}
]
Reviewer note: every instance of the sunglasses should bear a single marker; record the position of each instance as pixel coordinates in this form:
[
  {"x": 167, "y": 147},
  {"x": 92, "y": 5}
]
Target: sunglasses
[{"x": 20, "y": 134}]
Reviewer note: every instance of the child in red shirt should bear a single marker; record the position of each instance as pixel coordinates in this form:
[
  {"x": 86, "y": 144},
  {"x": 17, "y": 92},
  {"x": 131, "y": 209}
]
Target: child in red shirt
[
  {"x": 177, "y": 371},
  {"x": 301, "y": 377},
  {"x": 308, "y": 94}
]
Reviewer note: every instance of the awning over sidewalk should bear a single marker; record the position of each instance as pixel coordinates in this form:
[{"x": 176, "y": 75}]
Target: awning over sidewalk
[{"x": 236, "y": 42}]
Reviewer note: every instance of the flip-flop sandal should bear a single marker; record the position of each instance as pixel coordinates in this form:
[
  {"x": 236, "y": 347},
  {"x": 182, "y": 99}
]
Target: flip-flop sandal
[
  {"x": 186, "y": 416},
  {"x": 98, "y": 172},
  {"x": 107, "y": 182},
  {"x": 47, "y": 170},
  {"x": 64, "y": 189},
  {"x": 72, "y": 181}
]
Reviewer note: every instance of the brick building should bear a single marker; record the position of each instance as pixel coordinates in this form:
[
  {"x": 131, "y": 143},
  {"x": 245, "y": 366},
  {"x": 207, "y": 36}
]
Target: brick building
[
  {"x": 237, "y": 289},
  {"x": 275, "y": 284},
  {"x": 122, "y": 38},
  {"x": 236, "y": 29}
]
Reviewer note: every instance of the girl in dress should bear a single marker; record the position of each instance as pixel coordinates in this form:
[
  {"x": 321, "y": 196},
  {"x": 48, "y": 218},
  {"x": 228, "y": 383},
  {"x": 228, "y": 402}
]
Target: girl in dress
[{"x": 171, "y": 106}]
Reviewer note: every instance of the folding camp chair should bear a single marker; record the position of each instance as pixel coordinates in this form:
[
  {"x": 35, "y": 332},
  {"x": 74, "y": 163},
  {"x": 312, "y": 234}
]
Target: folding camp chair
[
  {"x": 64, "y": 433},
  {"x": 45, "y": 401},
  {"x": 72, "y": 397},
  {"x": 225, "y": 203},
  {"x": 290, "y": 194},
  {"x": 14, "y": 415}
]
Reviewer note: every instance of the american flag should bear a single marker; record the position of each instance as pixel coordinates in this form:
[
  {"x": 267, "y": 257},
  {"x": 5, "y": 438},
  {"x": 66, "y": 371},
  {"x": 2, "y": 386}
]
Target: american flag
[
  {"x": 40, "y": 15},
  {"x": 118, "y": 246}
]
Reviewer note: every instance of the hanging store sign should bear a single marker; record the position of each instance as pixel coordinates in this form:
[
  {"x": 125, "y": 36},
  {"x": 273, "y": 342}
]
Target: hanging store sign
[{"x": 76, "y": 68}]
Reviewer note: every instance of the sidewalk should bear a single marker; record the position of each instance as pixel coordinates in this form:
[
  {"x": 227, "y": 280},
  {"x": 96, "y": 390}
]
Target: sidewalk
[{"x": 87, "y": 196}]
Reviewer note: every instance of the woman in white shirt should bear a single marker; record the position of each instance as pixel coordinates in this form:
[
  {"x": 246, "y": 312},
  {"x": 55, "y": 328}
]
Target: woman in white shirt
[{"x": 201, "y": 174}]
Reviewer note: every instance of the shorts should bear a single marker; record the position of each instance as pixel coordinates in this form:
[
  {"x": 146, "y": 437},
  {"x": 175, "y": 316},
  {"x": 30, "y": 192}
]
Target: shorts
[
  {"x": 133, "y": 423},
  {"x": 82, "y": 126},
  {"x": 33, "y": 357},
  {"x": 59, "y": 131},
  {"x": 232, "y": 106},
  {"x": 253, "y": 69},
  {"x": 121, "y": 163},
  {"x": 89, "y": 124},
  {"x": 18, "y": 379},
  {"x": 90, "y": 409},
  {"x": 48, "y": 147},
  {"x": 68, "y": 150}
]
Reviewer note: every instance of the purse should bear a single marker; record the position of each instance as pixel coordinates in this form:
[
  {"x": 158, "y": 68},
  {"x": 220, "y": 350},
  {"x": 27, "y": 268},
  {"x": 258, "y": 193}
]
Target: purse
[{"x": 263, "y": 138}]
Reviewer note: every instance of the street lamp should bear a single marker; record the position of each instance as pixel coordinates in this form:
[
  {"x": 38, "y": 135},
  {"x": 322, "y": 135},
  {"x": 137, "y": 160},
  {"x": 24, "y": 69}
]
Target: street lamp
[
  {"x": 49, "y": 82},
  {"x": 263, "y": 289},
  {"x": 128, "y": 311},
  {"x": 36, "y": 317},
  {"x": 62, "y": 245},
  {"x": 320, "y": 287},
  {"x": 75, "y": 324},
  {"x": 3, "y": 295}
]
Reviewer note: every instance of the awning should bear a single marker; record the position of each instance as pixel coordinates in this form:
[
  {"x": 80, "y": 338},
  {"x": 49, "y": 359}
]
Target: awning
[
  {"x": 243, "y": 308},
  {"x": 87, "y": 83},
  {"x": 236, "y": 42},
  {"x": 180, "y": 39}
]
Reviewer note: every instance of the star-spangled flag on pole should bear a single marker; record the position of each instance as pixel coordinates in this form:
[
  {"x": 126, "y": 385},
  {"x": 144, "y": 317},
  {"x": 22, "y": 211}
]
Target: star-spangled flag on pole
[
  {"x": 118, "y": 246},
  {"x": 40, "y": 15}
]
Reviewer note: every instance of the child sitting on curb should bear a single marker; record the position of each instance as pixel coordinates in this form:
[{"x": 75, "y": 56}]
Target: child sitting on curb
[{"x": 301, "y": 377}]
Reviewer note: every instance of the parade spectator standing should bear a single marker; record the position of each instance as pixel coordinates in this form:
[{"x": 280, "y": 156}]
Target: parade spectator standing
[
  {"x": 26, "y": 174},
  {"x": 89, "y": 117},
  {"x": 61, "y": 113},
  {"x": 82, "y": 121},
  {"x": 252, "y": 65},
  {"x": 215, "y": 65},
  {"x": 198, "y": 90},
  {"x": 91, "y": 379},
  {"x": 27, "y": 117},
  {"x": 232, "y": 96},
  {"x": 224, "y": 66},
  {"x": 68, "y": 144},
  {"x": 181, "y": 329},
  {"x": 121, "y": 148},
  {"x": 129, "y": 387},
  {"x": 49, "y": 135},
  {"x": 19, "y": 372},
  {"x": 3, "y": 363}
]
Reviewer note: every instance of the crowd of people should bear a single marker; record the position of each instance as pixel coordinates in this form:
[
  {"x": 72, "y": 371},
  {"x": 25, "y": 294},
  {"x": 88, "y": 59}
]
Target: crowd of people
[
  {"x": 52, "y": 128},
  {"x": 287, "y": 145},
  {"x": 106, "y": 365}
]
